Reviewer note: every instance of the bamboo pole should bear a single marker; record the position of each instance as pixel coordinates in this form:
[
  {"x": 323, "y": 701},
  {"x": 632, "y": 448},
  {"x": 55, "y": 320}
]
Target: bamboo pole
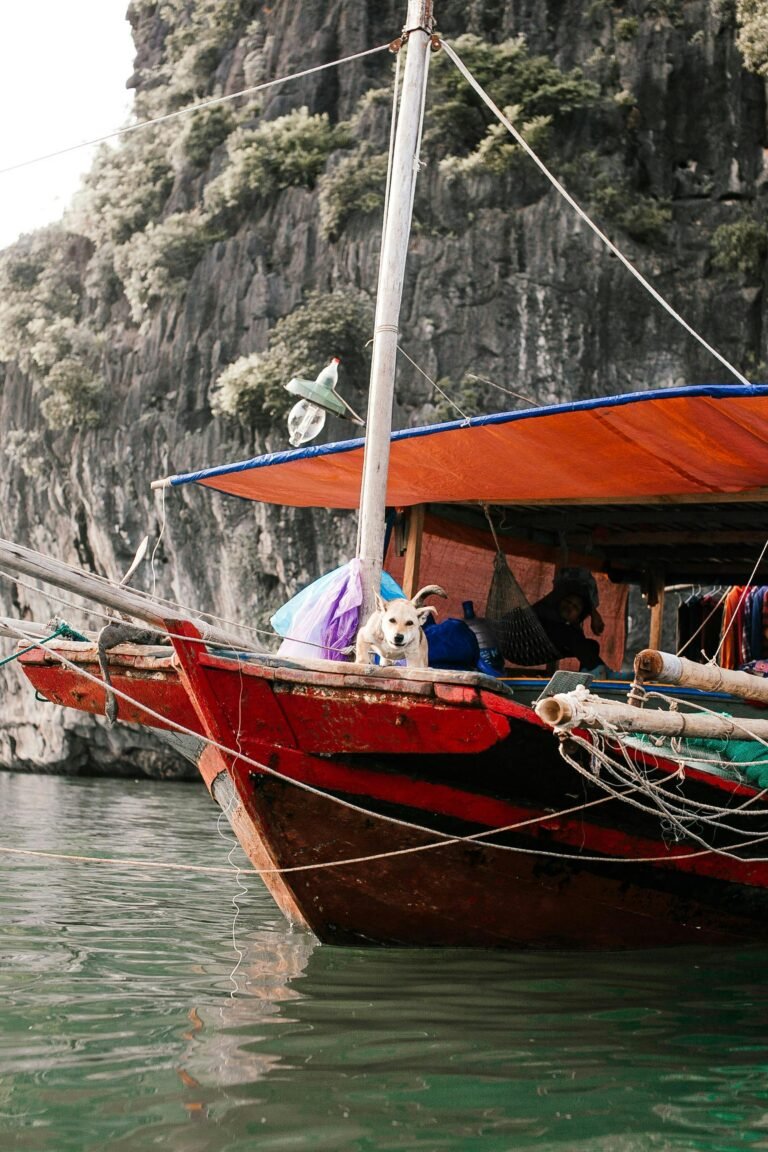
[
  {"x": 567, "y": 711},
  {"x": 373, "y": 493},
  {"x": 99, "y": 590},
  {"x": 668, "y": 669}
]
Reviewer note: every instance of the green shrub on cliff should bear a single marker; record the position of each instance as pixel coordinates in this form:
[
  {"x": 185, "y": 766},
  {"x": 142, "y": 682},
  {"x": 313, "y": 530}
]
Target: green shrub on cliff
[
  {"x": 39, "y": 299},
  {"x": 126, "y": 188},
  {"x": 644, "y": 218},
  {"x": 207, "y": 129},
  {"x": 741, "y": 246},
  {"x": 326, "y": 325},
  {"x": 289, "y": 152},
  {"x": 74, "y": 395},
  {"x": 42, "y": 327},
  {"x": 162, "y": 258},
  {"x": 355, "y": 187},
  {"x": 752, "y": 37},
  {"x": 531, "y": 85}
]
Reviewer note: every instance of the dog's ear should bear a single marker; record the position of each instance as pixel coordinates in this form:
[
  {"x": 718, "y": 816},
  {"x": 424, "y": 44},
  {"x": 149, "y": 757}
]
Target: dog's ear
[
  {"x": 423, "y": 613},
  {"x": 381, "y": 604}
]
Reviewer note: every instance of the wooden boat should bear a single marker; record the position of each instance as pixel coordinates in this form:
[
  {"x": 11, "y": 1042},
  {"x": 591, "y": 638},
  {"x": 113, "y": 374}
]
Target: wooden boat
[
  {"x": 462, "y": 822},
  {"x": 436, "y": 807}
]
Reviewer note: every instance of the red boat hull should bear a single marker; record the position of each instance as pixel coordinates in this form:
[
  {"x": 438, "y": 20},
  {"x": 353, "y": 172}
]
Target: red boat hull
[{"x": 355, "y": 795}]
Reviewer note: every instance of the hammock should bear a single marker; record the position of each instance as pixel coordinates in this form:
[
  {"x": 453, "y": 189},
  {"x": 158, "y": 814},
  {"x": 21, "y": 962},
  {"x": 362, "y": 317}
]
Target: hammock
[{"x": 518, "y": 629}]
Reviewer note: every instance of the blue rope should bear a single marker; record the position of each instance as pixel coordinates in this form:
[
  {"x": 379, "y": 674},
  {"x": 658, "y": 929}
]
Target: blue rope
[{"x": 62, "y": 630}]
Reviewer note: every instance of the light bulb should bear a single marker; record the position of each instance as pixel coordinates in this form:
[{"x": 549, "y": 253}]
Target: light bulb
[{"x": 305, "y": 421}]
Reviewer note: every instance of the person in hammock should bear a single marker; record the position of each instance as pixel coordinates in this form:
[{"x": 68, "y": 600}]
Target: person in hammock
[{"x": 562, "y": 613}]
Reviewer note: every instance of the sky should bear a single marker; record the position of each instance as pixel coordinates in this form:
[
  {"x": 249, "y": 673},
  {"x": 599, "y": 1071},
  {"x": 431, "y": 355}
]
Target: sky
[{"x": 63, "y": 68}]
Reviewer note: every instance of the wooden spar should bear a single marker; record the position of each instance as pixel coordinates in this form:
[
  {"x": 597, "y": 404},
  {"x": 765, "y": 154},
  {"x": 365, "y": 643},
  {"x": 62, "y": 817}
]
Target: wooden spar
[
  {"x": 413, "y": 550},
  {"x": 17, "y": 629},
  {"x": 567, "y": 710},
  {"x": 15, "y": 558},
  {"x": 668, "y": 669},
  {"x": 373, "y": 493},
  {"x": 656, "y": 602}
]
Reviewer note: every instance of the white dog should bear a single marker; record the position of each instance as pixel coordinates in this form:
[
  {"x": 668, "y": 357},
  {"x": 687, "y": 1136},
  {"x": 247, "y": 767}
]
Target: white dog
[{"x": 394, "y": 630}]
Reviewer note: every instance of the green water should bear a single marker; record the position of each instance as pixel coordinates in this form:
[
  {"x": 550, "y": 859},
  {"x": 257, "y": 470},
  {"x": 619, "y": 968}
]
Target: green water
[{"x": 122, "y": 1028}]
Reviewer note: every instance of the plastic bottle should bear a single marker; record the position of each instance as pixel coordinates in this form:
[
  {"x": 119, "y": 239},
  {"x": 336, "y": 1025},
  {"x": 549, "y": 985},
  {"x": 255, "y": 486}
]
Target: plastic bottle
[{"x": 491, "y": 660}]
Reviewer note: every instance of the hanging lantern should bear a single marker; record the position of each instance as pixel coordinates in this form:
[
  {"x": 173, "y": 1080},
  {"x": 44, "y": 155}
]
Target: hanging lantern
[{"x": 307, "y": 418}]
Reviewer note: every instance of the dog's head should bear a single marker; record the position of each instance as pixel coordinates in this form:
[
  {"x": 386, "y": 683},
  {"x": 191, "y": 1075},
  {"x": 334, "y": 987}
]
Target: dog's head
[{"x": 401, "y": 620}]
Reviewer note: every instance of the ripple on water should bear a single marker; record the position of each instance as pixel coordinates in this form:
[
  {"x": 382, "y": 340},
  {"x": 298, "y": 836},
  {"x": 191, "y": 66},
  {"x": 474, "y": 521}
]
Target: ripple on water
[{"x": 123, "y": 1027}]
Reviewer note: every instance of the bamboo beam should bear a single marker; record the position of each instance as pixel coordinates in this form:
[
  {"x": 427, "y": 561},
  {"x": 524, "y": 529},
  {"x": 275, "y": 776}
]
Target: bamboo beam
[
  {"x": 668, "y": 669},
  {"x": 566, "y": 711},
  {"x": 15, "y": 558}
]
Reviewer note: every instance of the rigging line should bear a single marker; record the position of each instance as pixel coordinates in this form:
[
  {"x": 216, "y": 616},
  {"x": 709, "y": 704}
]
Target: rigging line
[
  {"x": 676, "y": 814},
  {"x": 578, "y": 857},
  {"x": 733, "y": 618},
  {"x": 166, "y": 722},
  {"x": 443, "y": 837},
  {"x": 703, "y": 624},
  {"x": 501, "y": 388},
  {"x": 693, "y": 806},
  {"x": 436, "y": 386},
  {"x": 203, "y": 868},
  {"x": 241, "y": 890},
  {"x": 194, "y": 615},
  {"x": 690, "y": 761},
  {"x": 301, "y": 785},
  {"x": 191, "y": 108},
  {"x": 656, "y": 811},
  {"x": 390, "y": 154},
  {"x": 580, "y": 211}
]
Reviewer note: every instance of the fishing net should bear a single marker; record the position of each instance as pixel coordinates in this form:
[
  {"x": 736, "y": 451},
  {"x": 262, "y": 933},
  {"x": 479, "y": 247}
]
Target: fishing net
[{"x": 518, "y": 629}]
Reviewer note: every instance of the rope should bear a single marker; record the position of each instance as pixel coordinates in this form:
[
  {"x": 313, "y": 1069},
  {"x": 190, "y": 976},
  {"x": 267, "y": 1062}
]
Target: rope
[
  {"x": 62, "y": 630},
  {"x": 734, "y": 617},
  {"x": 189, "y": 109},
  {"x": 434, "y": 384},
  {"x": 443, "y": 838},
  {"x": 580, "y": 211}
]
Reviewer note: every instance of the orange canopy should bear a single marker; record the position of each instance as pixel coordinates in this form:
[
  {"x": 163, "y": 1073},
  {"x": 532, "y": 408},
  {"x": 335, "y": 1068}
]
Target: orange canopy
[{"x": 683, "y": 442}]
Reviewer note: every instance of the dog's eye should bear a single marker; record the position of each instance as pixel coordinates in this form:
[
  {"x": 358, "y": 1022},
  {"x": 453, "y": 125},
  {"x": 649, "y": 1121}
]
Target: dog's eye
[
  {"x": 392, "y": 620},
  {"x": 410, "y": 623}
]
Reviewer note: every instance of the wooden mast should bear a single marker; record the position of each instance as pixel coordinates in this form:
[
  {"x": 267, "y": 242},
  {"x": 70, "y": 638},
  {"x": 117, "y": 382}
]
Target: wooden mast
[{"x": 373, "y": 495}]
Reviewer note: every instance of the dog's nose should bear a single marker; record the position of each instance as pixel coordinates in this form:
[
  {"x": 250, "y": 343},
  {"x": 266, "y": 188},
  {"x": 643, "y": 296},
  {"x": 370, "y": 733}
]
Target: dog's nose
[{"x": 399, "y": 638}]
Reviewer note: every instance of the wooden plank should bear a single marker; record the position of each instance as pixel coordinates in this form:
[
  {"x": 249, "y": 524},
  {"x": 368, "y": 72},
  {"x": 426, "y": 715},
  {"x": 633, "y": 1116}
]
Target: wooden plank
[
  {"x": 656, "y": 618},
  {"x": 749, "y": 496},
  {"x": 413, "y": 550},
  {"x": 703, "y": 536}
]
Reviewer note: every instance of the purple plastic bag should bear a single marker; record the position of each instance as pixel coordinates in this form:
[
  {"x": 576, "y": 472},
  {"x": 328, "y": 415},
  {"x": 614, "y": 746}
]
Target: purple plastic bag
[{"x": 321, "y": 620}]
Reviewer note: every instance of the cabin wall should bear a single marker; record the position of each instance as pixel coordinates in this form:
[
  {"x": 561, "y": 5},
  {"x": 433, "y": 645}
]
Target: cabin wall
[{"x": 503, "y": 285}]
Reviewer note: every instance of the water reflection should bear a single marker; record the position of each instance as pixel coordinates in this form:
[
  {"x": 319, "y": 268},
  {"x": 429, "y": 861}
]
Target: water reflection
[{"x": 118, "y": 1028}]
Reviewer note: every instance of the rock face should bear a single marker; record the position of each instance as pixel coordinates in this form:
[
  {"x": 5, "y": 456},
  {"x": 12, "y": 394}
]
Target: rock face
[{"x": 116, "y": 326}]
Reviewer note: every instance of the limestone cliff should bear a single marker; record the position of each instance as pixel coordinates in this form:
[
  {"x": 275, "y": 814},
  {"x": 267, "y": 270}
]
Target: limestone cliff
[{"x": 214, "y": 255}]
